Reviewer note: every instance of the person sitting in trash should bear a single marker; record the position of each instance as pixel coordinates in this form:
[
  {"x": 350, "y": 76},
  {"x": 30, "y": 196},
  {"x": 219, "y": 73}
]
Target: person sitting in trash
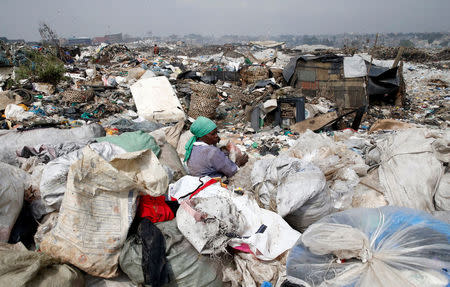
[{"x": 203, "y": 157}]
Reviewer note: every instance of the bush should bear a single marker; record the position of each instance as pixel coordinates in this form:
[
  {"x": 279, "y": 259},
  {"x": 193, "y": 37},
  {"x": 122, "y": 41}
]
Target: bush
[
  {"x": 406, "y": 44},
  {"x": 41, "y": 67}
]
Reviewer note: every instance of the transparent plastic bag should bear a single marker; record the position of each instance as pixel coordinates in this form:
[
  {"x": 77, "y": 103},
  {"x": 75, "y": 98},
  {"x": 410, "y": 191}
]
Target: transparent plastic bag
[{"x": 387, "y": 246}]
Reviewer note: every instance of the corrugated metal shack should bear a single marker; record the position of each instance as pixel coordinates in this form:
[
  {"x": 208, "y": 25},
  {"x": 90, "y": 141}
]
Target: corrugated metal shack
[{"x": 324, "y": 76}]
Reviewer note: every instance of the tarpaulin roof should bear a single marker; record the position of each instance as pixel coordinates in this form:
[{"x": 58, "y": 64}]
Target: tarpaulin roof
[{"x": 290, "y": 67}]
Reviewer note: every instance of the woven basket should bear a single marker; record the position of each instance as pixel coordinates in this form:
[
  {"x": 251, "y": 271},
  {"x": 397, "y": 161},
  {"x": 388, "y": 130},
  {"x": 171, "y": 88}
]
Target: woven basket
[
  {"x": 204, "y": 90},
  {"x": 204, "y": 101}
]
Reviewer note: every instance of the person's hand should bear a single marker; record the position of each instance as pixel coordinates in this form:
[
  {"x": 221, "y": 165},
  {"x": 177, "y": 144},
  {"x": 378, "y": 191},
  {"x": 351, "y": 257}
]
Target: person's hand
[{"x": 242, "y": 160}]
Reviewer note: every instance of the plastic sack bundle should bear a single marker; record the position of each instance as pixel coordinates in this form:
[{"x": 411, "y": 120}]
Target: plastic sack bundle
[
  {"x": 411, "y": 169},
  {"x": 20, "y": 267},
  {"x": 328, "y": 155},
  {"x": 293, "y": 188},
  {"x": 386, "y": 246},
  {"x": 99, "y": 206},
  {"x": 13, "y": 182},
  {"x": 187, "y": 267},
  {"x": 340, "y": 165},
  {"x": 13, "y": 140},
  {"x": 54, "y": 176}
]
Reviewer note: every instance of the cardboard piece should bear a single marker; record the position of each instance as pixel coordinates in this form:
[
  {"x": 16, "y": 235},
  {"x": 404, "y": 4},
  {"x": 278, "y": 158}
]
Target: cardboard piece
[{"x": 314, "y": 123}]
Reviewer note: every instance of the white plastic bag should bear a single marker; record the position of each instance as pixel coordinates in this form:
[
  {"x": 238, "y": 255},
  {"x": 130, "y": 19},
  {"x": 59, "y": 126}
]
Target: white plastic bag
[
  {"x": 341, "y": 165},
  {"x": 17, "y": 113}
]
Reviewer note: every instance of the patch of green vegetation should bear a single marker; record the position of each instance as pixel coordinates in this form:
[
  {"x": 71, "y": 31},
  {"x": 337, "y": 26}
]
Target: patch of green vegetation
[
  {"x": 41, "y": 67},
  {"x": 406, "y": 44}
]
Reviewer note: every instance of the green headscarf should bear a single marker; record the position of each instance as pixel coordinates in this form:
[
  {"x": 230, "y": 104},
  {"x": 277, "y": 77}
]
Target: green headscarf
[{"x": 201, "y": 127}]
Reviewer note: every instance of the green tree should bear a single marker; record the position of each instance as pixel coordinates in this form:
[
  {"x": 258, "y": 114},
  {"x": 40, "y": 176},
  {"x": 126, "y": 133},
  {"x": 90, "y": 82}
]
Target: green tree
[{"x": 406, "y": 44}]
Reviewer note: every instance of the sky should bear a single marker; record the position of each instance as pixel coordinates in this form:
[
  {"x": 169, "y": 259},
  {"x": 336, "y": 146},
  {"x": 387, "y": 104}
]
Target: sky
[{"x": 88, "y": 18}]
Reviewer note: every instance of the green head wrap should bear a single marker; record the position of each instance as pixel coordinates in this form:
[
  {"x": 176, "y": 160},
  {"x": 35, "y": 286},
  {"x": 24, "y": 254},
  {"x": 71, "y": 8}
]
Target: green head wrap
[{"x": 201, "y": 127}]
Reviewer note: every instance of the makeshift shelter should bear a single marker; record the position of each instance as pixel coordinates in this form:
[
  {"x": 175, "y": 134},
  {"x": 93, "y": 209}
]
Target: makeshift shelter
[{"x": 348, "y": 81}]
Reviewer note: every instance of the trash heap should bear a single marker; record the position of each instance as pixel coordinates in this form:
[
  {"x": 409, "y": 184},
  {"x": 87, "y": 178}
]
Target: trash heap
[{"x": 94, "y": 191}]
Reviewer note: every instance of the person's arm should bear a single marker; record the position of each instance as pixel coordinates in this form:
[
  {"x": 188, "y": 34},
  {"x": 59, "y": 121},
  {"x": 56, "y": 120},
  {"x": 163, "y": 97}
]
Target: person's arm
[{"x": 222, "y": 163}]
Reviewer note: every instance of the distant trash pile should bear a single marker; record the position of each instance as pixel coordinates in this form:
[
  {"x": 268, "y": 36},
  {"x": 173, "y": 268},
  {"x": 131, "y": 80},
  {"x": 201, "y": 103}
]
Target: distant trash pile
[{"x": 94, "y": 190}]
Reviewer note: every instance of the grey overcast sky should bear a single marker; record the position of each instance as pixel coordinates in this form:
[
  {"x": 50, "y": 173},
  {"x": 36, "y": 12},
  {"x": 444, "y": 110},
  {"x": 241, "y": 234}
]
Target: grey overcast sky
[{"x": 21, "y": 18}]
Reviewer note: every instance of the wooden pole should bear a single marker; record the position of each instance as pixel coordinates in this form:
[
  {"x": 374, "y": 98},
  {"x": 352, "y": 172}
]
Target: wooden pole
[
  {"x": 400, "y": 98},
  {"x": 371, "y": 55},
  {"x": 399, "y": 55}
]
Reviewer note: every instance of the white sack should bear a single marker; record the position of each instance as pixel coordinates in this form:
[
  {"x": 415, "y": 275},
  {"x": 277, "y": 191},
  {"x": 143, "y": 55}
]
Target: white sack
[
  {"x": 99, "y": 206},
  {"x": 410, "y": 172},
  {"x": 286, "y": 183},
  {"x": 216, "y": 217},
  {"x": 13, "y": 183},
  {"x": 14, "y": 140},
  {"x": 54, "y": 177}
]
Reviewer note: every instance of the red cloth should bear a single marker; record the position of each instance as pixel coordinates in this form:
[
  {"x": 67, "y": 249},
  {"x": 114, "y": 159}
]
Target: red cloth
[{"x": 155, "y": 209}]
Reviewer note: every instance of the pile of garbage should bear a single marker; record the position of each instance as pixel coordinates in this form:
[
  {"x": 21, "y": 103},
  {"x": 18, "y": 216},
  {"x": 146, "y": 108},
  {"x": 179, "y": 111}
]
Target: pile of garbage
[
  {"x": 411, "y": 54},
  {"x": 94, "y": 190}
]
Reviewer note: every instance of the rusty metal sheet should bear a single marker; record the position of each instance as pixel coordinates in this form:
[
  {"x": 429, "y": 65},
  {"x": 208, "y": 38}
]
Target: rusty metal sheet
[{"x": 322, "y": 75}]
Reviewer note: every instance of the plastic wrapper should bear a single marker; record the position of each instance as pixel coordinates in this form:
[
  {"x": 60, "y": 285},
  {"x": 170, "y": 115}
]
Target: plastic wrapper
[{"x": 235, "y": 152}]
